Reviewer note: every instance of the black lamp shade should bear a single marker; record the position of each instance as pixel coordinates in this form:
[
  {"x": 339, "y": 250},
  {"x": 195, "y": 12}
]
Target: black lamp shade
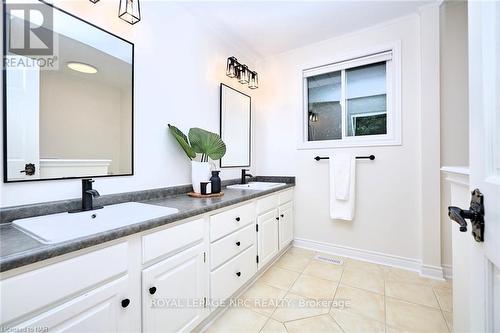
[
  {"x": 254, "y": 80},
  {"x": 231, "y": 67},
  {"x": 243, "y": 76},
  {"x": 130, "y": 11}
]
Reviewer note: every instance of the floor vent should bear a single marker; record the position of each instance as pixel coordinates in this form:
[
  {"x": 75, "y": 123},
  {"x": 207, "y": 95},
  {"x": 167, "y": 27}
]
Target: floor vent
[{"x": 330, "y": 260}]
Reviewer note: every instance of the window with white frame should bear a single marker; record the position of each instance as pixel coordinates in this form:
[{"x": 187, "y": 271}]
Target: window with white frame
[{"x": 353, "y": 102}]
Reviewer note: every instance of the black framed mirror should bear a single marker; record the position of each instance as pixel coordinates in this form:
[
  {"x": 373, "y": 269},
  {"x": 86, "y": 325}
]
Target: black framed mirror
[
  {"x": 235, "y": 127},
  {"x": 68, "y": 108}
]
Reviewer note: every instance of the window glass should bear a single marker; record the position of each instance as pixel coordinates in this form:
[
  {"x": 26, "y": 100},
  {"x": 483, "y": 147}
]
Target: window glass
[
  {"x": 366, "y": 100},
  {"x": 324, "y": 112}
]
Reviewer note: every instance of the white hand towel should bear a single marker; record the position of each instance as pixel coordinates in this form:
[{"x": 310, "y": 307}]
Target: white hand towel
[{"x": 342, "y": 186}]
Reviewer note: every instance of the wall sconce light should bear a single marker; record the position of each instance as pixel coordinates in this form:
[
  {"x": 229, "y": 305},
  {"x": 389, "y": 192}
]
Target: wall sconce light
[
  {"x": 130, "y": 11},
  {"x": 241, "y": 72},
  {"x": 254, "y": 80},
  {"x": 231, "y": 69},
  {"x": 313, "y": 117}
]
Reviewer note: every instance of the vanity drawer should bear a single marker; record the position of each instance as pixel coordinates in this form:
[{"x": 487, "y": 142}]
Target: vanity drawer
[
  {"x": 170, "y": 240},
  {"x": 224, "y": 223},
  {"x": 267, "y": 203},
  {"x": 31, "y": 291},
  {"x": 286, "y": 196},
  {"x": 231, "y": 276},
  {"x": 229, "y": 246}
]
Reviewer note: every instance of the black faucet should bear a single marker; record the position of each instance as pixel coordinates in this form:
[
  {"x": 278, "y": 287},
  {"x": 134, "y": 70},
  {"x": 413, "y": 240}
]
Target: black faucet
[
  {"x": 244, "y": 176},
  {"x": 88, "y": 195}
]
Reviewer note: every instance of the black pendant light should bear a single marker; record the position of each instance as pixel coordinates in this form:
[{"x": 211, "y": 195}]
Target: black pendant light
[
  {"x": 94, "y": 1},
  {"x": 130, "y": 11}
]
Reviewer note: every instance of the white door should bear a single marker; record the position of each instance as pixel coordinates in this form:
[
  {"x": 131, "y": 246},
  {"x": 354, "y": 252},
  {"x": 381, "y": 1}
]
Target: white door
[
  {"x": 23, "y": 104},
  {"x": 104, "y": 310},
  {"x": 286, "y": 225},
  {"x": 484, "y": 117},
  {"x": 174, "y": 291},
  {"x": 267, "y": 237}
]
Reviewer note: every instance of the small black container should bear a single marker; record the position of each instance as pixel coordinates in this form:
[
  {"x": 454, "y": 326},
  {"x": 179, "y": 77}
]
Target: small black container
[{"x": 216, "y": 182}]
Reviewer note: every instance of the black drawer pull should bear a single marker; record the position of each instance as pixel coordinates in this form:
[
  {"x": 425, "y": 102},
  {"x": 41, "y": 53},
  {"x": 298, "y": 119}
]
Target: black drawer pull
[
  {"x": 282, "y": 215},
  {"x": 238, "y": 273},
  {"x": 125, "y": 302},
  {"x": 238, "y": 243},
  {"x": 152, "y": 290},
  {"x": 238, "y": 219},
  {"x": 277, "y": 218}
]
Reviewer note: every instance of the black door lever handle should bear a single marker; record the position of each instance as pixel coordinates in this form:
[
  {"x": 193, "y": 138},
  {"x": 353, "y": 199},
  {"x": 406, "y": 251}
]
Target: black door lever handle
[
  {"x": 475, "y": 214},
  {"x": 458, "y": 215}
]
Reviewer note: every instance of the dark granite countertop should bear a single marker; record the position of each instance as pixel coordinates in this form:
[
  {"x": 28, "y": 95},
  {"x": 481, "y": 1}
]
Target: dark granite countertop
[{"x": 19, "y": 249}]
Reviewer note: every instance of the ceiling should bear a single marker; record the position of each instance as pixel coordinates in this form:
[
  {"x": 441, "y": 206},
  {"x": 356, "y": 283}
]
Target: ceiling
[{"x": 270, "y": 27}]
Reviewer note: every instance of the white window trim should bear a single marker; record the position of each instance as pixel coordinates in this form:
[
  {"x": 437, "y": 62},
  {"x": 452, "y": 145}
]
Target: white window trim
[{"x": 393, "y": 81}]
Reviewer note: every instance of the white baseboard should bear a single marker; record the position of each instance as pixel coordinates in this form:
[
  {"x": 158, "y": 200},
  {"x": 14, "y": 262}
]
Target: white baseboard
[
  {"x": 433, "y": 272},
  {"x": 448, "y": 271},
  {"x": 372, "y": 256}
]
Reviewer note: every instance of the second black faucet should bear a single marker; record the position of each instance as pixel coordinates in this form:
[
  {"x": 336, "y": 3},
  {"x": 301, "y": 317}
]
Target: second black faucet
[
  {"x": 244, "y": 176},
  {"x": 88, "y": 195}
]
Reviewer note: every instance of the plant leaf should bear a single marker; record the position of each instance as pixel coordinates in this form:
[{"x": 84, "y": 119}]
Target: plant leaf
[
  {"x": 182, "y": 140},
  {"x": 205, "y": 142}
]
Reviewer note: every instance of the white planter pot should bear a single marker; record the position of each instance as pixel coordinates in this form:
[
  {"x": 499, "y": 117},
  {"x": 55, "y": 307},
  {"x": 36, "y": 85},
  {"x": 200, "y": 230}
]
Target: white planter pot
[{"x": 200, "y": 172}]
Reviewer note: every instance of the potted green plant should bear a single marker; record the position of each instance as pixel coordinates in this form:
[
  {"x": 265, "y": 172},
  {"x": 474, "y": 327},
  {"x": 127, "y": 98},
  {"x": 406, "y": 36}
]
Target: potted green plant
[{"x": 203, "y": 145}]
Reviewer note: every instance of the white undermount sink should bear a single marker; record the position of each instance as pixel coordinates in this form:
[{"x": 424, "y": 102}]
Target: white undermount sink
[
  {"x": 256, "y": 186},
  {"x": 62, "y": 227}
]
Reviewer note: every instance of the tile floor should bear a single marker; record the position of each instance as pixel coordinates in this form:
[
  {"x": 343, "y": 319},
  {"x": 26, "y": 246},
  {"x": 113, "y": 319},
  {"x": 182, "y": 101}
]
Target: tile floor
[{"x": 301, "y": 294}]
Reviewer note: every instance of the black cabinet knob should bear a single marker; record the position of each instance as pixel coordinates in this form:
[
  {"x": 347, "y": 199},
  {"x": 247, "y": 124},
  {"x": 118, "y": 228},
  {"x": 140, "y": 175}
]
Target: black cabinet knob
[
  {"x": 152, "y": 290},
  {"x": 238, "y": 219},
  {"x": 277, "y": 218},
  {"x": 125, "y": 302},
  {"x": 282, "y": 215},
  {"x": 238, "y": 273},
  {"x": 238, "y": 243}
]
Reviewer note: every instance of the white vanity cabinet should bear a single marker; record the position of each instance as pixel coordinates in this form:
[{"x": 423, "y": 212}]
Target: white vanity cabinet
[
  {"x": 285, "y": 225},
  {"x": 161, "y": 280},
  {"x": 275, "y": 224},
  {"x": 87, "y": 293},
  {"x": 268, "y": 236},
  {"x": 104, "y": 309},
  {"x": 174, "y": 284},
  {"x": 232, "y": 250},
  {"x": 174, "y": 292}
]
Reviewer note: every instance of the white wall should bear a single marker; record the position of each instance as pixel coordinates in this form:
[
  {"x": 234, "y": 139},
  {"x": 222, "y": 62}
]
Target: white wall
[
  {"x": 81, "y": 118},
  {"x": 429, "y": 127},
  {"x": 387, "y": 189},
  {"x": 178, "y": 67},
  {"x": 454, "y": 105}
]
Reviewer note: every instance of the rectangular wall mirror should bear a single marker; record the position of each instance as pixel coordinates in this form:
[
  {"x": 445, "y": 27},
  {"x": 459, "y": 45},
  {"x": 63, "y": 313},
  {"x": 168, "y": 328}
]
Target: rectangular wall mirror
[
  {"x": 68, "y": 113},
  {"x": 235, "y": 127}
]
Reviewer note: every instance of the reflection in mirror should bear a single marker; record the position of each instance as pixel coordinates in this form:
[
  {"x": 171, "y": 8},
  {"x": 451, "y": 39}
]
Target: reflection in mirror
[
  {"x": 73, "y": 119},
  {"x": 235, "y": 116}
]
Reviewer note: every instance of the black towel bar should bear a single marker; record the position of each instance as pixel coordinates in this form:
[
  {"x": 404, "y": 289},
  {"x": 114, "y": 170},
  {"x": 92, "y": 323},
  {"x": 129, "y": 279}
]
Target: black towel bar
[{"x": 371, "y": 157}]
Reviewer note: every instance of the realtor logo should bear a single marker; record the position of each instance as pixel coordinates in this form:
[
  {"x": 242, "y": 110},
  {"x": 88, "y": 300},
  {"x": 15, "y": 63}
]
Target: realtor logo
[{"x": 29, "y": 29}]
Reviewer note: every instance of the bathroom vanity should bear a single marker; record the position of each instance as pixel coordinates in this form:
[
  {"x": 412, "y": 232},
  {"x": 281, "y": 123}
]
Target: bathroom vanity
[{"x": 162, "y": 275}]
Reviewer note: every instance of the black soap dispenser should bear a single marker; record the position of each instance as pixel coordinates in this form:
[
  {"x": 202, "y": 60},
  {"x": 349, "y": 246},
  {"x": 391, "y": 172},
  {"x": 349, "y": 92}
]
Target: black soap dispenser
[{"x": 216, "y": 182}]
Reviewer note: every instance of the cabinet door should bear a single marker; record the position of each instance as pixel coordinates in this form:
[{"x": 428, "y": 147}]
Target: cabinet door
[
  {"x": 99, "y": 310},
  {"x": 173, "y": 292},
  {"x": 286, "y": 224},
  {"x": 267, "y": 236}
]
